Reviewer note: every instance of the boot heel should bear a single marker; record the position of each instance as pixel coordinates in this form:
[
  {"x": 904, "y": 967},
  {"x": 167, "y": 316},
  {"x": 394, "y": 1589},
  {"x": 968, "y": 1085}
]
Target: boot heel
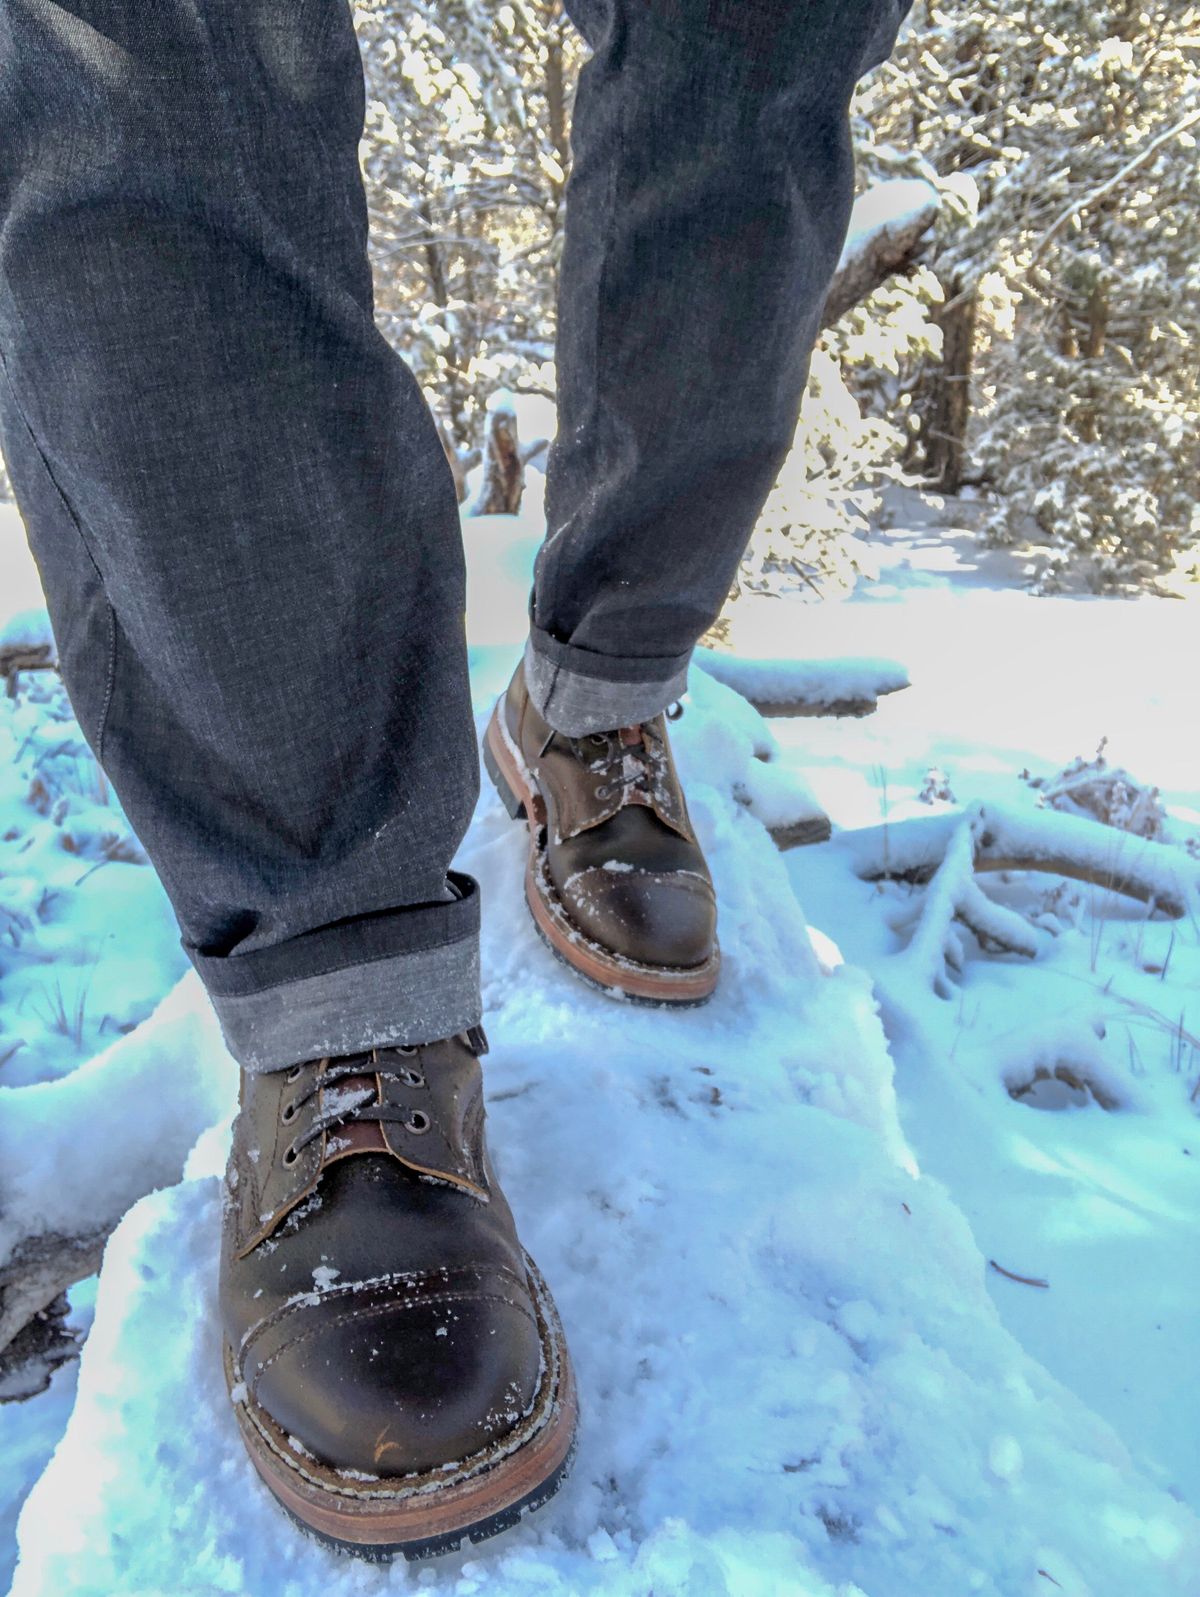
[{"x": 514, "y": 805}]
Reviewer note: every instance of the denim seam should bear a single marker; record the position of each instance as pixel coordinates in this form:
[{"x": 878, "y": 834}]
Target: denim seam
[
  {"x": 110, "y": 685},
  {"x": 110, "y": 679},
  {"x": 330, "y": 970},
  {"x": 610, "y": 197}
]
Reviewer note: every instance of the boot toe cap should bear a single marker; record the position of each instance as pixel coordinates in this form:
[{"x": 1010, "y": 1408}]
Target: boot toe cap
[
  {"x": 658, "y": 918},
  {"x": 397, "y": 1384}
]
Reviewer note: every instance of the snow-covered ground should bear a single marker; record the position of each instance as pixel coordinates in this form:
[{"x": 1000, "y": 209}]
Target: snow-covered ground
[{"x": 768, "y": 1222}]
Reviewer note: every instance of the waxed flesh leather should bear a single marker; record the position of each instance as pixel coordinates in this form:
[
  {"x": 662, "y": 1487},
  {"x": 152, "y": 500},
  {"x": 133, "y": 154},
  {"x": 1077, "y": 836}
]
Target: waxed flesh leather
[
  {"x": 377, "y": 1307},
  {"x": 619, "y": 847}
]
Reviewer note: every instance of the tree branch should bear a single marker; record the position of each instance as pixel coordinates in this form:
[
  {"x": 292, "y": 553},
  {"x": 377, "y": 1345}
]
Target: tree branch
[
  {"x": 888, "y": 229},
  {"x": 1095, "y": 195}
]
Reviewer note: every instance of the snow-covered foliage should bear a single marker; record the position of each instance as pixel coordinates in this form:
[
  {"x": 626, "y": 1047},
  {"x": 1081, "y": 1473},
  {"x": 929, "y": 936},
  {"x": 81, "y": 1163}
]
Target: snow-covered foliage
[
  {"x": 1104, "y": 792},
  {"x": 1069, "y": 132},
  {"x": 854, "y": 425},
  {"x": 810, "y": 538},
  {"x": 1045, "y": 344},
  {"x": 87, "y": 942},
  {"x": 1095, "y": 238}
]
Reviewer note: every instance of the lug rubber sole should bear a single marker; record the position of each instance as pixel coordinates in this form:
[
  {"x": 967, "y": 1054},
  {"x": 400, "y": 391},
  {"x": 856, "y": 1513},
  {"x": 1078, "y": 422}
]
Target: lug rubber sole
[
  {"x": 600, "y": 967},
  {"x": 420, "y": 1516}
]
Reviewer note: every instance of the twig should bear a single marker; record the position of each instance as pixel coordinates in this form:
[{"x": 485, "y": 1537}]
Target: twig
[
  {"x": 1081, "y": 205},
  {"x": 1025, "y": 1280}
]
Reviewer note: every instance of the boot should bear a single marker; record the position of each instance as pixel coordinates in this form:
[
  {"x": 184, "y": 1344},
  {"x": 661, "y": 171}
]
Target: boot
[
  {"x": 616, "y": 882},
  {"x": 395, "y": 1360}
]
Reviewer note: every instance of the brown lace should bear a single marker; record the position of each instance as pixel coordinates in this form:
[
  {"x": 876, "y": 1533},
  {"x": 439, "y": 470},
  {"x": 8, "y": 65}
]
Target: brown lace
[
  {"x": 400, "y": 1064},
  {"x": 644, "y": 745}
]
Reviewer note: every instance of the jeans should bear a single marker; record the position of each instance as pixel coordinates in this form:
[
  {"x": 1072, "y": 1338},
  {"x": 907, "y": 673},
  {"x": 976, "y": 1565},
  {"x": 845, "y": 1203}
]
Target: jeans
[{"x": 245, "y": 525}]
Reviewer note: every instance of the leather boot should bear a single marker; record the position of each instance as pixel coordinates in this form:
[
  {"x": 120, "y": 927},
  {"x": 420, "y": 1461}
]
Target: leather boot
[
  {"x": 616, "y": 882},
  {"x": 395, "y": 1360}
]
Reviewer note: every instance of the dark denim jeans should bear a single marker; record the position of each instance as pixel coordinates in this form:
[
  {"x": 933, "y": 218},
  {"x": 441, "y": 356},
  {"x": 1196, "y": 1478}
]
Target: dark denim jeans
[{"x": 244, "y": 522}]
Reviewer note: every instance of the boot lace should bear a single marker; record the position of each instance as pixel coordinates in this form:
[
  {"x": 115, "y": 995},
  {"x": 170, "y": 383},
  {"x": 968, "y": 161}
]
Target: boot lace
[
  {"x": 361, "y": 1102},
  {"x": 636, "y": 757}
]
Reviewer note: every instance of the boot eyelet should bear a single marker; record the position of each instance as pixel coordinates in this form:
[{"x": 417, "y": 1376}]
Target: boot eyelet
[
  {"x": 418, "y": 1123},
  {"x": 406, "y": 1050},
  {"x": 294, "y": 1073},
  {"x": 288, "y": 1114},
  {"x": 290, "y": 1155},
  {"x": 412, "y": 1078},
  {"x": 674, "y": 711},
  {"x": 598, "y": 738}
]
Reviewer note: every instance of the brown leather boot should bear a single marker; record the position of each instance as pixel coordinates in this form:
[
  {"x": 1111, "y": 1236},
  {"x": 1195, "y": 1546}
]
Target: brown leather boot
[
  {"x": 396, "y": 1364},
  {"x": 616, "y": 881}
]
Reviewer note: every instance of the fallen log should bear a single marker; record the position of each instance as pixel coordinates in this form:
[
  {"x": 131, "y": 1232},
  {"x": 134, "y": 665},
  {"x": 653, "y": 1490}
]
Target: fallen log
[
  {"x": 18, "y": 657},
  {"x": 504, "y": 468},
  {"x": 802, "y": 833},
  {"x": 850, "y": 686},
  {"x": 32, "y": 1281}
]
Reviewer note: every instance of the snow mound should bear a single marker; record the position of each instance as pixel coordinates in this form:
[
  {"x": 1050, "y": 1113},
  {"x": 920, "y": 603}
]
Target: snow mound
[
  {"x": 171, "y": 1076},
  {"x": 735, "y": 748},
  {"x": 793, "y": 1377}
]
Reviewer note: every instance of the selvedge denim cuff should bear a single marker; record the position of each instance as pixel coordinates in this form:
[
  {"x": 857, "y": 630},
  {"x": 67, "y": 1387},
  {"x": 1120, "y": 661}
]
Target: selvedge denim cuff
[
  {"x": 578, "y": 691},
  {"x": 391, "y": 979}
]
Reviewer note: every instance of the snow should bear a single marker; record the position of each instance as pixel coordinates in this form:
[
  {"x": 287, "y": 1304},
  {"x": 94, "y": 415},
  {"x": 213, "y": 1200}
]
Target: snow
[
  {"x": 73, "y": 1126},
  {"x": 770, "y": 1223},
  {"x": 1106, "y": 1206},
  {"x": 885, "y": 207},
  {"x": 803, "y": 681},
  {"x": 28, "y": 629}
]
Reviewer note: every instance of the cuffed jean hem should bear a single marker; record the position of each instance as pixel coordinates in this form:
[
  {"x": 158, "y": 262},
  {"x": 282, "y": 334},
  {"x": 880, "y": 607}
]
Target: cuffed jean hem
[
  {"x": 392, "y": 1002},
  {"x": 396, "y": 977},
  {"x": 577, "y": 691}
]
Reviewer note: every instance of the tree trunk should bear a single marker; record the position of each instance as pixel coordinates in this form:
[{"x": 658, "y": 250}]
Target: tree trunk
[
  {"x": 504, "y": 474},
  {"x": 948, "y": 411}
]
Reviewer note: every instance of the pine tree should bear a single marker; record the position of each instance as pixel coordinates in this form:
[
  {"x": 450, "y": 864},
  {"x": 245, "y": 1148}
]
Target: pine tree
[{"x": 1068, "y": 270}]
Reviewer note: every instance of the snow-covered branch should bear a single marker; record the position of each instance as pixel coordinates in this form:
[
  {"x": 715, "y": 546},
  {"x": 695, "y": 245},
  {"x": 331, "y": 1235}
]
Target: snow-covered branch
[
  {"x": 954, "y": 897},
  {"x": 888, "y": 228},
  {"x": 1016, "y": 840},
  {"x": 1094, "y": 196},
  {"x": 849, "y": 686}
]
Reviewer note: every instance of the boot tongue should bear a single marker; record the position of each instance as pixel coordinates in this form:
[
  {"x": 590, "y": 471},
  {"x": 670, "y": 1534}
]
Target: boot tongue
[
  {"x": 636, "y": 773},
  {"x": 353, "y": 1136}
]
